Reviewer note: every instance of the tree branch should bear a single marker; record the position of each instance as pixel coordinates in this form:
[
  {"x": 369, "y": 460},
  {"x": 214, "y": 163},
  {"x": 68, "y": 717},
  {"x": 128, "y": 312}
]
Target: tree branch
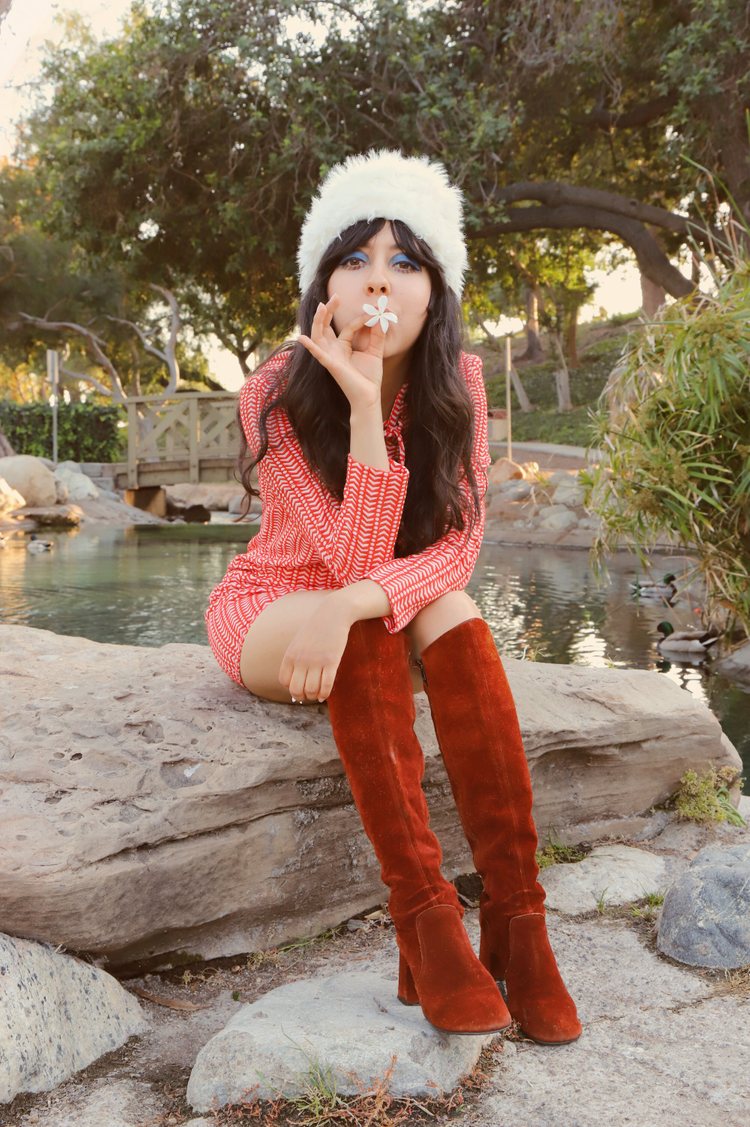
[
  {"x": 554, "y": 193},
  {"x": 94, "y": 346},
  {"x": 634, "y": 118},
  {"x": 651, "y": 259}
]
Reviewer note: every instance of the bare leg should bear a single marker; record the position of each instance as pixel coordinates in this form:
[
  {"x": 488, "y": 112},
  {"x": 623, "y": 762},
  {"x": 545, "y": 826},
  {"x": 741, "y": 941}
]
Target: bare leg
[{"x": 269, "y": 636}]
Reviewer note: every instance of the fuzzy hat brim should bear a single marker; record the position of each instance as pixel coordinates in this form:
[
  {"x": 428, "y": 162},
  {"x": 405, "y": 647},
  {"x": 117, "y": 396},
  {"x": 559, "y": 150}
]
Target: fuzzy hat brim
[{"x": 384, "y": 183}]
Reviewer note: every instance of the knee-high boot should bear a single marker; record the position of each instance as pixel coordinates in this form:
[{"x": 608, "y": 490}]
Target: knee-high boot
[
  {"x": 476, "y": 724},
  {"x": 372, "y": 713}
]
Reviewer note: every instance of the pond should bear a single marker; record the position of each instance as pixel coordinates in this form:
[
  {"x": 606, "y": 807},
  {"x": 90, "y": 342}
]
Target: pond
[{"x": 148, "y": 585}]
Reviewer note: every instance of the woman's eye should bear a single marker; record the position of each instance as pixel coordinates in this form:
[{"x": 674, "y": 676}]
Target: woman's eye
[
  {"x": 352, "y": 258},
  {"x": 408, "y": 262}
]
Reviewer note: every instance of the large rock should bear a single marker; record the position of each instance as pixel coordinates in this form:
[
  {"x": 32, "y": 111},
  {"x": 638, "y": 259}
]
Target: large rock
[
  {"x": 152, "y": 811},
  {"x": 736, "y": 665},
  {"x": 347, "y": 1025},
  {"x": 214, "y": 495},
  {"x": 10, "y": 498},
  {"x": 76, "y": 484},
  {"x": 31, "y": 478},
  {"x": 57, "y": 1015},
  {"x": 705, "y": 921}
]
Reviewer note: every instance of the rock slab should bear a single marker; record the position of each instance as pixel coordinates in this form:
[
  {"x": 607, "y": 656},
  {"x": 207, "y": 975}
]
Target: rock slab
[
  {"x": 610, "y": 875},
  {"x": 57, "y": 1015},
  {"x": 154, "y": 812},
  {"x": 349, "y": 1029}
]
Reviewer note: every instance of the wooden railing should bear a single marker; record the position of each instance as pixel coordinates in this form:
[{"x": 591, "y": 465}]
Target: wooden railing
[{"x": 191, "y": 436}]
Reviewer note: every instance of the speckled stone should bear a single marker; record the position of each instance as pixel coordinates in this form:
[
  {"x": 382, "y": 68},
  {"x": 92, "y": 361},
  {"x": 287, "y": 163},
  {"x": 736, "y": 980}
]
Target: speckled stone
[
  {"x": 57, "y": 1015},
  {"x": 350, "y": 1026},
  {"x": 706, "y": 917}
]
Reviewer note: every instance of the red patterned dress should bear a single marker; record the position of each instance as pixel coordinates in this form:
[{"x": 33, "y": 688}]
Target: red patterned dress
[{"x": 310, "y": 540}]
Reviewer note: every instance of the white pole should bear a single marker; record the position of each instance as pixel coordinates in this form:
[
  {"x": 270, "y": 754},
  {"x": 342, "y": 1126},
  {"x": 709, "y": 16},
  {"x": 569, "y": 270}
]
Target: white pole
[
  {"x": 509, "y": 452},
  {"x": 52, "y": 376}
]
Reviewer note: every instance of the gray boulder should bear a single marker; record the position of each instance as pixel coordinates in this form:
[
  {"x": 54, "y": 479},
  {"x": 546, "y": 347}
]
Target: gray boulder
[
  {"x": 348, "y": 1027},
  {"x": 76, "y": 484},
  {"x": 57, "y": 1015},
  {"x": 705, "y": 920}
]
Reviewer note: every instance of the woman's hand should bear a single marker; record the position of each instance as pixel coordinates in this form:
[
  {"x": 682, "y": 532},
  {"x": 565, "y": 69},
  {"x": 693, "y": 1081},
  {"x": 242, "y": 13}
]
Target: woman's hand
[
  {"x": 358, "y": 374},
  {"x": 308, "y": 667}
]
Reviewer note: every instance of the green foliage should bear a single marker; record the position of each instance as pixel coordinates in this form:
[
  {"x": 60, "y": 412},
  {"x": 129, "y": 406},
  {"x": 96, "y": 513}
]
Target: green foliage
[
  {"x": 555, "y": 853},
  {"x": 545, "y": 423},
  {"x": 675, "y": 428},
  {"x": 184, "y": 151},
  {"x": 86, "y": 432},
  {"x": 705, "y": 798}
]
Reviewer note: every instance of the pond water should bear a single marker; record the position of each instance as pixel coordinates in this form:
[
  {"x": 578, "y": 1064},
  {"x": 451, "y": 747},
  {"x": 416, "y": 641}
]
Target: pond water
[{"x": 148, "y": 585}]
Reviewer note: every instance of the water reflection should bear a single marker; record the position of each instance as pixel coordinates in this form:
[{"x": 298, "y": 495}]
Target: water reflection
[{"x": 149, "y": 586}]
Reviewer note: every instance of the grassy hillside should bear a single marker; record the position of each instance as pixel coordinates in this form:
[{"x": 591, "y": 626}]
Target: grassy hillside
[{"x": 600, "y": 345}]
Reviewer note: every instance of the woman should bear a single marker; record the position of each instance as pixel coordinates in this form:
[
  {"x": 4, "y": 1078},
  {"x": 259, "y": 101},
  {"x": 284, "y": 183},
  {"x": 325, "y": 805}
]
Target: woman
[{"x": 360, "y": 564}]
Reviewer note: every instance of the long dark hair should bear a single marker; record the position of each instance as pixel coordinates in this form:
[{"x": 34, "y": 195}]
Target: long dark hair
[{"x": 438, "y": 434}]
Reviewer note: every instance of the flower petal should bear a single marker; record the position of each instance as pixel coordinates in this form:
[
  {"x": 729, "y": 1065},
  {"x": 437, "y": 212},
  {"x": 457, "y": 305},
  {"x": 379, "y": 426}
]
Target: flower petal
[
  {"x": 382, "y": 302},
  {"x": 370, "y": 309},
  {"x": 390, "y": 316},
  {"x": 373, "y": 321}
]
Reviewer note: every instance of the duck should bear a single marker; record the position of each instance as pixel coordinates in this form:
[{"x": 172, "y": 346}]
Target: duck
[
  {"x": 685, "y": 641},
  {"x": 36, "y": 545},
  {"x": 649, "y": 589}
]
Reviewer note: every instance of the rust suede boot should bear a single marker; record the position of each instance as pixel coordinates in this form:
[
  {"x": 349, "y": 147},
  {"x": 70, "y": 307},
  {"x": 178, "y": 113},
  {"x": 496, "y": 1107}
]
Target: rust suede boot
[
  {"x": 480, "y": 740},
  {"x": 371, "y": 710}
]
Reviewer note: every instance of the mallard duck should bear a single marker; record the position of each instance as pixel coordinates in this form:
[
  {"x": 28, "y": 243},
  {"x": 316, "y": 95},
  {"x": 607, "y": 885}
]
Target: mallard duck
[
  {"x": 649, "y": 589},
  {"x": 685, "y": 641},
  {"x": 36, "y": 545}
]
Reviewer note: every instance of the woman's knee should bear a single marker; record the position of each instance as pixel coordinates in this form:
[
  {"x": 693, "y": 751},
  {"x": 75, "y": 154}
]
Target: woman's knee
[
  {"x": 440, "y": 615},
  {"x": 267, "y": 641}
]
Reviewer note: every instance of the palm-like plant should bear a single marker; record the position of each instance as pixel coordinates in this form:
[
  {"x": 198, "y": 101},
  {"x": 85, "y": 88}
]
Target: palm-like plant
[{"x": 674, "y": 426}]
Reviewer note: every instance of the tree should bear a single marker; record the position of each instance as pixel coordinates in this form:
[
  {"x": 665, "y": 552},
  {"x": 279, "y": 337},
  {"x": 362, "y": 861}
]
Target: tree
[{"x": 203, "y": 130}]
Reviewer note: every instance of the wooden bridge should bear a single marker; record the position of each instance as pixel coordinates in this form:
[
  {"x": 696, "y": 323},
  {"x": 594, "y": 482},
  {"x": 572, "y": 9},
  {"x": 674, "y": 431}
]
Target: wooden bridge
[{"x": 191, "y": 436}]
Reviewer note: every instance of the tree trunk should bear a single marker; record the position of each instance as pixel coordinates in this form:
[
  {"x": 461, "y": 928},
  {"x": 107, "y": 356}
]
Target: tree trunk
[
  {"x": 6, "y": 450},
  {"x": 571, "y": 339},
  {"x": 653, "y": 295},
  {"x": 523, "y": 400},
  {"x": 534, "y": 351},
  {"x": 562, "y": 376}
]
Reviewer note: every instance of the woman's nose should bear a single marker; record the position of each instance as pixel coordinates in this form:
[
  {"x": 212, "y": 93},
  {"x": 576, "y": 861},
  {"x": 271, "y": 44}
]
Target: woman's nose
[{"x": 377, "y": 281}]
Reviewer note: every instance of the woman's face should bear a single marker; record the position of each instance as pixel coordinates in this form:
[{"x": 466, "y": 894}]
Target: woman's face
[{"x": 376, "y": 268}]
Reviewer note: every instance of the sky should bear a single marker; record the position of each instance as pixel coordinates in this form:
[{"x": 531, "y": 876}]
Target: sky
[{"x": 22, "y": 36}]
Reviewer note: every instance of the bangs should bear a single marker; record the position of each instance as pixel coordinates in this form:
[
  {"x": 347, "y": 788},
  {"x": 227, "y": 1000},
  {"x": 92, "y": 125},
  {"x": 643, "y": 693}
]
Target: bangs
[{"x": 363, "y": 230}]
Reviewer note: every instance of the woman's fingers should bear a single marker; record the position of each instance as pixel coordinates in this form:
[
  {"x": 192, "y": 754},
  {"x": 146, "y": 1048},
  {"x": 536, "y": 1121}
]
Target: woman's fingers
[
  {"x": 312, "y": 347},
  {"x": 376, "y": 343},
  {"x": 347, "y": 333}
]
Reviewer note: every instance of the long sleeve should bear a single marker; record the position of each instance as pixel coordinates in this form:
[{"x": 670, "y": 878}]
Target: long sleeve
[
  {"x": 412, "y": 582},
  {"x": 351, "y": 536}
]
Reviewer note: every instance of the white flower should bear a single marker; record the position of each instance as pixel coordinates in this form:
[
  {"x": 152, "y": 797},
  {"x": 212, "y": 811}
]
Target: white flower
[{"x": 380, "y": 314}]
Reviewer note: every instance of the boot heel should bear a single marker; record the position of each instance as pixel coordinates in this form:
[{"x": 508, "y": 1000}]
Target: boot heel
[{"x": 407, "y": 991}]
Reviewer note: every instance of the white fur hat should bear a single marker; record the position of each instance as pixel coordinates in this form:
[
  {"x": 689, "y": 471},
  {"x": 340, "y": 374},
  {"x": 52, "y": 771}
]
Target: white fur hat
[{"x": 386, "y": 183}]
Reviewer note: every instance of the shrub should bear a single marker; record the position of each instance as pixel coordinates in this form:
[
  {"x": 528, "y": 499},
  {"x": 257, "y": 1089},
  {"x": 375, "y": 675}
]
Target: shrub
[{"x": 86, "y": 432}]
